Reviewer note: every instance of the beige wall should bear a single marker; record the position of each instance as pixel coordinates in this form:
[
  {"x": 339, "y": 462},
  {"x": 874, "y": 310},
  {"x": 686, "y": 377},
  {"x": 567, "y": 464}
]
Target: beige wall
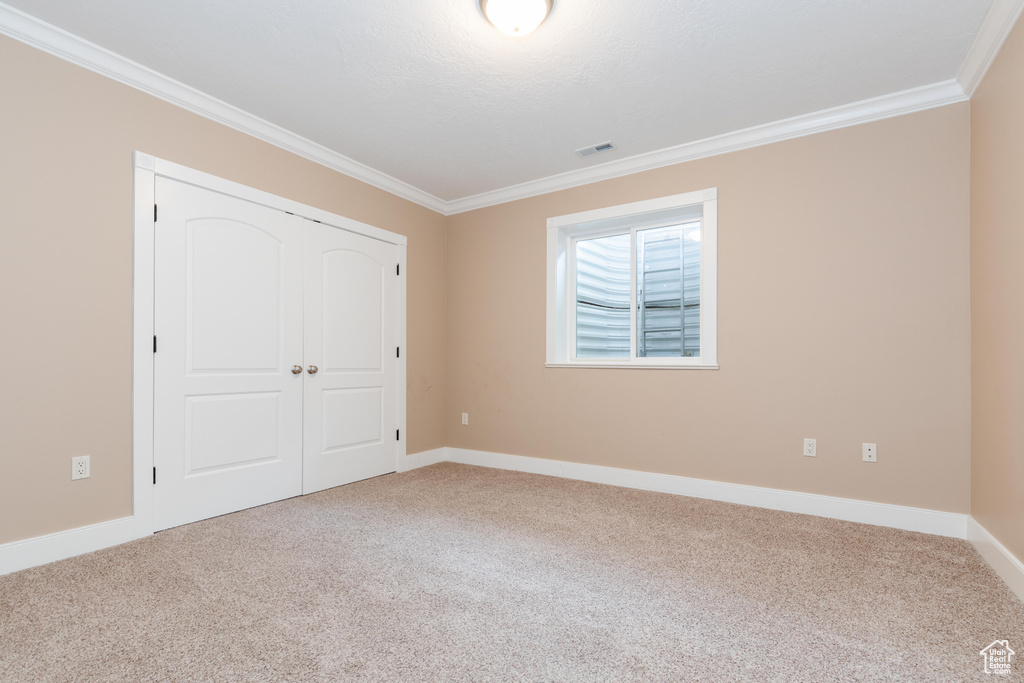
[
  {"x": 843, "y": 306},
  {"x": 66, "y": 142},
  {"x": 997, "y": 297},
  {"x": 843, "y": 309}
]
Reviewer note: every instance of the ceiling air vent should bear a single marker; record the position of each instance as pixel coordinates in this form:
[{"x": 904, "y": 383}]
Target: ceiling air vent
[{"x": 595, "y": 149}]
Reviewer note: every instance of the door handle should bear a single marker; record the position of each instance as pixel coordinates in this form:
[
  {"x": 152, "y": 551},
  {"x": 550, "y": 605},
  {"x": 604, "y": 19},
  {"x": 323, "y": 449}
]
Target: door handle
[
  {"x": 296, "y": 369},
  {"x": 312, "y": 369}
]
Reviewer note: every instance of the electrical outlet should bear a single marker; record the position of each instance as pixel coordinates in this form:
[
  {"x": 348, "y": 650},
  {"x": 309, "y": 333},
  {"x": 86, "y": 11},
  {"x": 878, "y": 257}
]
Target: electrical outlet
[
  {"x": 465, "y": 418},
  {"x": 869, "y": 452},
  {"x": 80, "y": 467},
  {"x": 811, "y": 448}
]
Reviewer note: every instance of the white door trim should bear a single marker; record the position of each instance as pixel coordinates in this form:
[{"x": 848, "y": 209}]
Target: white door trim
[
  {"x": 401, "y": 337},
  {"x": 143, "y": 288},
  {"x": 147, "y": 168}
]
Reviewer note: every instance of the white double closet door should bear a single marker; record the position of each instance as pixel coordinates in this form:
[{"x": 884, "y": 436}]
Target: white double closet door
[{"x": 275, "y": 368}]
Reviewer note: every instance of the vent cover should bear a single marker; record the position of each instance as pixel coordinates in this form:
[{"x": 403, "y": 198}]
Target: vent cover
[{"x": 595, "y": 149}]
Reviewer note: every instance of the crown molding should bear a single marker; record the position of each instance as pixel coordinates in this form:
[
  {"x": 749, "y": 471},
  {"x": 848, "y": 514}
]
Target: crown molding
[
  {"x": 995, "y": 29},
  {"x": 56, "y": 41},
  {"x": 865, "y": 111},
  {"x": 67, "y": 46}
]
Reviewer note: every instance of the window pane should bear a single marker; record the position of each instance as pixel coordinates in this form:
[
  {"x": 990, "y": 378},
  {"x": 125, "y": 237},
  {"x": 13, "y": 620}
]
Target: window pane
[
  {"x": 602, "y": 297},
  {"x": 668, "y": 291}
]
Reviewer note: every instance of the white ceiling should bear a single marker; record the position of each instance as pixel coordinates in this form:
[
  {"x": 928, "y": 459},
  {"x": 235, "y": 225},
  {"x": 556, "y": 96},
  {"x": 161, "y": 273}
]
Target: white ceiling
[{"x": 428, "y": 92}]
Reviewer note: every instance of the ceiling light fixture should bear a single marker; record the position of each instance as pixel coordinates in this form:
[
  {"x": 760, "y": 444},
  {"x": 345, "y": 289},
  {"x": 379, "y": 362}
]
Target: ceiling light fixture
[{"x": 516, "y": 17}]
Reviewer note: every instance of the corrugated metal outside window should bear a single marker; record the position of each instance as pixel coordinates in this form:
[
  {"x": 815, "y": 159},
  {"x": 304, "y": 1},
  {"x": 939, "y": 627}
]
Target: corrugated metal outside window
[
  {"x": 668, "y": 293},
  {"x": 602, "y": 297}
]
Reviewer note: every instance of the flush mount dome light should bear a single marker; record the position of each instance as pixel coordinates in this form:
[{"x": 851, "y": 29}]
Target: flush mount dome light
[{"x": 516, "y": 17}]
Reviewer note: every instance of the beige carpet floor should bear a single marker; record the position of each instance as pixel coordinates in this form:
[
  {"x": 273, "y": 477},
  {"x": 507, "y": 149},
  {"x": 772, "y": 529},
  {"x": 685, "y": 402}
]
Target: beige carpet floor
[{"x": 457, "y": 573}]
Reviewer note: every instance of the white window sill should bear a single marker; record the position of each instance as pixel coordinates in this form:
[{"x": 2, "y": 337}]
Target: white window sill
[{"x": 631, "y": 366}]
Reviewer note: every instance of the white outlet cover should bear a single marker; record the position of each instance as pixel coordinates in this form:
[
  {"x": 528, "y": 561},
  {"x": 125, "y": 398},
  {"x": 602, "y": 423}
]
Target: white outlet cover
[
  {"x": 465, "y": 418},
  {"x": 811, "y": 448},
  {"x": 869, "y": 452},
  {"x": 80, "y": 467}
]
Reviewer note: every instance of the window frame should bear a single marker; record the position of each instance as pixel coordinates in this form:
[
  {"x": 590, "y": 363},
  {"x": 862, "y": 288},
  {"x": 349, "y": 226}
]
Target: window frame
[{"x": 563, "y": 232}]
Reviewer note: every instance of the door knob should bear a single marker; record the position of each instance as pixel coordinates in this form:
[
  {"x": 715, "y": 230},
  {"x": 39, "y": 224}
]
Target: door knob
[
  {"x": 296, "y": 369},
  {"x": 312, "y": 369}
]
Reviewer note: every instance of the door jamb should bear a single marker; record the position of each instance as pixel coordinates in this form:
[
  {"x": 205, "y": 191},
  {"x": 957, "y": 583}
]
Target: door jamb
[{"x": 146, "y": 170}]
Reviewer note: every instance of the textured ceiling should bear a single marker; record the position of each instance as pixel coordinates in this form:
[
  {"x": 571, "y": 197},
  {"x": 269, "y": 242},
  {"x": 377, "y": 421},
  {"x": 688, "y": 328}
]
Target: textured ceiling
[{"x": 430, "y": 93}]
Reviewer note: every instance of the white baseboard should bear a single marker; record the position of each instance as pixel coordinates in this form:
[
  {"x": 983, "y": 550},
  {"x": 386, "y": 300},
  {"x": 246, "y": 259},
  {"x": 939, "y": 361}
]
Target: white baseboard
[
  {"x": 865, "y": 512},
  {"x": 1008, "y": 567},
  {"x": 33, "y": 552},
  {"x": 44, "y": 549},
  {"x": 422, "y": 459}
]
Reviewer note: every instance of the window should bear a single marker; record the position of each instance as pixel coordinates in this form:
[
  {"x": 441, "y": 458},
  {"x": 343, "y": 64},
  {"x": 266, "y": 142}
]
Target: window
[{"x": 635, "y": 285}]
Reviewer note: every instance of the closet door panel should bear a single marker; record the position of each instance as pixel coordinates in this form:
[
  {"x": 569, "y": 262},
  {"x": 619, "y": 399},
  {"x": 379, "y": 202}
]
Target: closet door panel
[
  {"x": 351, "y": 332},
  {"x": 234, "y": 296},
  {"x": 352, "y": 417},
  {"x": 353, "y": 293},
  {"x": 228, "y": 322}
]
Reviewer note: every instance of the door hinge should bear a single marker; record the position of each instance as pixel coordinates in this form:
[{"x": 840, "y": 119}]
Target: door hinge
[
  {"x": 398, "y": 269},
  {"x": 154, "y": 475},
  {"x": 154, "y": 213},
  {"x": 154, "y": 343},
  {"x": 397, "y": 437}
]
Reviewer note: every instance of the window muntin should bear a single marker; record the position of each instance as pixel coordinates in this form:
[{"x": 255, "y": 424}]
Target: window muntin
[{"x": 670, "y": 248}]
